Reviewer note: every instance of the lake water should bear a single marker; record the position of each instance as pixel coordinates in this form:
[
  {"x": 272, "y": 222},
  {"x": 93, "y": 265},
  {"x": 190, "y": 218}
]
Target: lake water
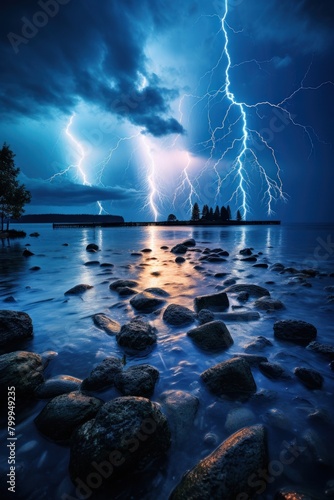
[{"x": 64, "y": 324}]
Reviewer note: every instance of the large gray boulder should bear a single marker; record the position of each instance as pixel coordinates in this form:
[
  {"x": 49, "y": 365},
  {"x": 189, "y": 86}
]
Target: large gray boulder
[
  {"x": 64, "y": 414},
  {"x": 23, "y": 370},
  {"x": 14, "y": 326},
  {"x": 232, "y": 378},
  {"x": 137, "y": 335},
  {"x": 110, "y": 326},
  {"x": 252, "y": 290},
  {"x": 146, "y": 302},
  {"x": 177, "y": 315},
  {"x": 214, "y": 302},
  {"x": 103, "y": 375},
  {"x": 137, "y": 380},
  {"x": 296, "y": 331},
  {"x": 213, "y": 336},
  {"x": 127, "y": 434},
  {"x": 180, "y": 408},
  {"x": 228, "y": 470}
]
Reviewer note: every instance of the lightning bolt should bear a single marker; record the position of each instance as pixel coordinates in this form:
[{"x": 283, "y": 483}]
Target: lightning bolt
[
  {"x": 151, "y": 181},
  {"x": 185, "y": 182}
]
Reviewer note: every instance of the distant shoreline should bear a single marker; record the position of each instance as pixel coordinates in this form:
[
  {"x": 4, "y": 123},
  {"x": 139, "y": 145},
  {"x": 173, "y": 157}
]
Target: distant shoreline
[{"x": 166, "y": 224}]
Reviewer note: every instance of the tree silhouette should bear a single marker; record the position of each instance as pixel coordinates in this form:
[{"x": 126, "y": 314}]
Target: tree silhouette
[
  {"x": 239, "y": 216},
  {"x": 171, "y": 218},
  {"x": 195, "y": 212},
  {"x": 229, "y": 213},
  {"x": 13, "y": 195},
  {"x": 223, "y": 214}
]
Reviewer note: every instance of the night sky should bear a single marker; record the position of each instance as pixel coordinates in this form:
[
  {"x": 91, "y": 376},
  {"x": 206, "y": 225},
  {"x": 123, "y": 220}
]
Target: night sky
[{"x": 122, "y": 107}]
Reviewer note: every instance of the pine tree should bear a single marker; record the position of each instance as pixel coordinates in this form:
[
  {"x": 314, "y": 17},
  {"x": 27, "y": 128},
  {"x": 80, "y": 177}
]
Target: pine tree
[
  {"x": 210, "y": 213},
  {"x": 195, "y": 212},
  {"x": 223, "y": 214},
  {"x": 216, "y": 214},
  {"x": 205, "y": 212},
  {"x": 239, "y": 216},
  {"x": 229, "y": 213}
]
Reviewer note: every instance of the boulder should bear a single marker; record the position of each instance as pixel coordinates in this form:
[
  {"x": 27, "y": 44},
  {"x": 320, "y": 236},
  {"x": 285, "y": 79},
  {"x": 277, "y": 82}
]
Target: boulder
[
  {"x": 225, "y": 473},
  {"x": 252, "y": 359},
  {"x": 122, "y": 283},
  {"x": 213, "y": 336},
  {"x": 249, "y": 259},
  {"x": 261, "y": 265},
  {"x": 240, "y": 316},
  {"x": 296, "y": 494},
  {"x": 177, "y": 315},
  {"x": 310, "y": 378},
  {"x": 137, "y": 380},
  {"x": 243, "y": 296},
  {"x": 273, "y": 370},
  {"x": 205, "y": 316},
  {"x": 146, "y": 302},
  {"x": 14, "y": 326},
  {"x": 277, "y": 267},
  {"x": 296, "y": 331},
  {"x": 179, "y": 249},
  {"x": 78, "y": 289},
  {"x": 189, "y": 243},
  {"x": 22, "y": 370},
  {"x": 107, "y": 324},
  {"x": 103, "y": 375},
  {"x": 92, "y": 247},
  {"x": 252, "y": 290},
  {"x": 137, "y": 335},
  {"x": 180, "y": 408},
  {"x": 258, "y": 344},
  {"x": 27, "y": 253},
  {"x": 127, "y": 435},
  {"x": 325, "y": 349},
  {"x": 157, "y": 291},
  {"x": 232, "y": 378},
  {"x": 214, "y": 302},
  {"x": 269, "y": 304},
  {"x": 64, "y": 414},
  {"x": 61, "y": 384},
  {"x": 246, "y": 251},
  {"x": 238, "y": 418},
  {"x": 180, "y": 260},
  {"x": 126, "y": 291}
]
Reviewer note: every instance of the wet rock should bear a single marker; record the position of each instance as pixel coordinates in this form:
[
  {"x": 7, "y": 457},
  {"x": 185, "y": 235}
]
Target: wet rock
[
  {"x": 215, "y": 302},
  {"x": 189, "y": 243},
  {"x": 215, "y": 259},
  {"x": 273, "y": 370},
  {"x": 226, "y": 471},
  {"x": 249, "y": 259},
  {"x": 329, "y": 289},
  {"x": 34, "y": 234},
  {"x": 103, "y": 375},
  {"x": 252, "y": 290},
  {"x": 324, "y": 349},
  {"x": 164, "y": 247},
  {"x": 238, "y": 418},
  {"x": 246, "y": 251},
  {"x": 106, "y": 264},
  {"x": 180, "y": 260},
  {"x": 261, "y": 265},
  {"x": 137, "y": 380},
  {"x": 252, "y": 359},
  {"x": 296, "y": 331},
  {"x": 137, "y": 335},
  {"x": 213, "y": 336},
  {"x": 232, "y": 377},
  {"x": 14, "y": 326},
  {"x": 126, "y": 291},
  {"x": 78, "y": 289},
  {"x": 179, "y": 249},
  {"x": 127, "y": 434},
  {"x": 23, "y": 370},
  {"x": 243, "y": 296},
  {"x": 146, "y": 250},
  {"x": 64, "y": 414},
  {"x": 240, "y": 316},
  {"x": 110, "y": 326},
  {"x": 268, "y": 304},
  {"x": 258, "y": 344},
  {"x": 230, "y": 281},
  {"x": 61, "y": 384},
  {"x": 157, "y": 291},
  {"x": 310, "y": 378},
  {"x": 211, "y": 439},
  {"x": 295, "y": 494},
  {"x": 92, "y": 263},
  {"x": 264, "y": 397},
  {"x": 35, "y": 268},
  {"x": 277, "y": 267},
  {"x": 9, "y": 299},
  {"x": 122, "y": 283},
  {"x": 180, "y": 408},
  {"x": 277, "y": 418},
  {"x": 205, "y": 316},
  {"x": 312, "y": 273},
  {"x": 146, "y": 302},
  {"x": 92, "y": 247},
  {"x": 177, "y": 315},
  {"x": 27, "y": 253},
  {"x": 317, "y": 448}
]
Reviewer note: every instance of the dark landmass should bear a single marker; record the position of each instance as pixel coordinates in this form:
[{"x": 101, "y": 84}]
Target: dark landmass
[
  {"x": 100, "y": 223},
  {"x": 69, "y": 218},
  {"x": 12, "y": 234}
]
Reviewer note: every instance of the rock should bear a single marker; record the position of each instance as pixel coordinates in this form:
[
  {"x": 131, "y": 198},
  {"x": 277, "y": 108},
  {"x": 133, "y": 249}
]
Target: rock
[
  {"x": 214, "y": 259},
  {"x": 277, "y": 418},
  {"x": 258, "y": 344},
  {"x": 252, "y": 359},
  {"x": 92, "y": 263},
  {"x": 269, "y": 304},
  {"x": 249, "y": 259},
  {"x": 146, "y": 302},
  {"x": 205, "y": 316},
  {"x": 296, "y": 331},
  {"x": 177, "y": 315},
  {"x": 273, "y": 370},
  {"x": 61, "y": 384},
  {"x": 137, "y": 380},
  {"x": 277, "y": 267},
  {"x": 180, "y": 260},
  {"x": 126, "y": 291},
  {"x": 27, "y": 253},
  {"x": 92, "y": 247},
  {"x": 232, "y": 377},
  {"x": 294, "y": 494},
  {"x": 34, "y": 234},
  {"x": 264, "y": 397},
  {"x": 78, "y": 289},
  {"x": 127, "y": 435},
  {"x": 324, "y": 349},
  {"x": 252, "y": 290},
  {"x": 14, "y": 326},
  {"x": 240, "y": 316},
  {"x": 246, "y": 251},
  {"x": 35, "y": 268},
  {"x": 23, "y": 370},
  {"x": 137, "y": 335},
  {"x": 238, "y": 418},
  {"x": 164, "y": 247},
  {"x": 123, "y": 283},
  {"x": 157, "y": 291},
  {"x": 180, "y": 408},
  {"x": 230, "y": 281},
  {"x": 243, "y": 296},
  {"x": 107, "y": 324},
  {"x": 64, "y": 414},
  {"x": 106, "y": 264},
  {"x": 225, "y": 473},
  {"x": 310, "y": 378},
  {"x": 213, "y": 336},
  {"x": 9, "y": 299},
  {"x": 103, "y": 375},
  {"x": 179, "y": 249},
  {"x": 146, "y": 250},
  {"x": 189, "y": 243},
  {"x": 261, "y": 265},
  {"x": 215, "y": 302}
]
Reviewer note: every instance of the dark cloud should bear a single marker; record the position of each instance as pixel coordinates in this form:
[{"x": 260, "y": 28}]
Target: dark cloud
[{"x": 58, "y": 52}]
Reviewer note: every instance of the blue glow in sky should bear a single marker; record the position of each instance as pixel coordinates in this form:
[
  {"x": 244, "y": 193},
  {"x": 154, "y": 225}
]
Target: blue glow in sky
[{"x": 130, "y": 102}]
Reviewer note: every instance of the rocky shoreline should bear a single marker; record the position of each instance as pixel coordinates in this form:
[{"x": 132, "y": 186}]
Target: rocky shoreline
[{"x": 135, "y": 433}]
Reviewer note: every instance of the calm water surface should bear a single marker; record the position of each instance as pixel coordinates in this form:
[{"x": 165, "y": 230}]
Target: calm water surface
[{"x": 64, "y": 324}]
